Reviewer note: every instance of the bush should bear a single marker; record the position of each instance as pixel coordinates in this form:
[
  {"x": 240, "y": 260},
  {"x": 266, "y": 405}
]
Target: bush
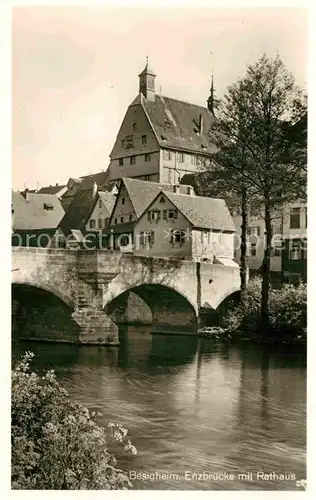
[
  {"x": 56, "y": 443},
  {"x": 288, "y": 311}
]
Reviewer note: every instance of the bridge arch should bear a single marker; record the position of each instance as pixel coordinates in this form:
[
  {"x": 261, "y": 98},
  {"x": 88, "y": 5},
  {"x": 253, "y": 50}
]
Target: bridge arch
[
  {"x": 172, "y": 312},
  {"x": 47, "y": 287},
  {"x": 223, "y": 297},
  {"x": 42, "y": 314}
]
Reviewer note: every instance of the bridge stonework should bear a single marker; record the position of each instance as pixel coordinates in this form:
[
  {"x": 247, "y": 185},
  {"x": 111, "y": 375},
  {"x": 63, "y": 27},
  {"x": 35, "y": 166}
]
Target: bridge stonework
[{"x": 89, "y": 282}]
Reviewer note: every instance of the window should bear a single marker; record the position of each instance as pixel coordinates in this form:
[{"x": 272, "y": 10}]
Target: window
[
  {"x": 193, "y": 160},
  {"x": 115, "y": 220},
  {"x": 134, "y": 126},
  {"x": 169, "y": 176},
  {"x": 276, "y": 228},
  {"x": 293, "y": 278},
  {"x": 162, "y": 200},
  {"x": 153, "y": 215},
  {"x": 92, "y": 223},
  {"x": 146, "y": 177},
  {"x": 122, "y": 219},
  {"x": 123, "y": 143},
  {"x": 123, "y": 201},
  {"x": 177, "y": 236},
  {"x": 48, "y": 206},
  {"x": 144, "y": 139},
  {"x": 303, "y": 249},
  {"x": 146, "y": 238},
  {"x": 276, "y": 252},
  {"x": 100, "y": 223},
  {"x": 170, "y": 214},
  {"x": 124, "y": 240},
  {"x": 180, "y": 157},
  {"x": 106, "y": 222},
  {"x": 100, "y": 203},
  {"x": 147, "y": 157},
  {"x": 132, "y": 160},
  {"x": 167, "y": 155},
  {"x": 295, "y": 218},
  {"x": 129, "y": 142},
  {"x": 130, "y": 218},
  {"x": 121, "y": 161},
  {"x": 294, "y": 250},
  {"x": 256, "y": 230},
  {"x": 189, "y": 190},
  {"x": 253, "y": 250}
]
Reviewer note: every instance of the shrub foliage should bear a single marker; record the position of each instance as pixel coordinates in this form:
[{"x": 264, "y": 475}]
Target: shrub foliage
[
  {"x": 287, "y": 310},
  {"x": 56, "y": 443}
]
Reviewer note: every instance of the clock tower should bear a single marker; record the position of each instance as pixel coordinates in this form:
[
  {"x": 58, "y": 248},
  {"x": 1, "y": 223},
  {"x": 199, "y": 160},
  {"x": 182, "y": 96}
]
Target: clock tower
[{"x": 147, "y": 83}]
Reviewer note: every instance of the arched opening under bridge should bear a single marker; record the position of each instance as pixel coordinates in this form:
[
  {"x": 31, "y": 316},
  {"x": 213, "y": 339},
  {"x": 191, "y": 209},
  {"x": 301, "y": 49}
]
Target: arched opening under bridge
[
  {"x": 40, "y": 315},
  {"x": 171, "y": 312}
]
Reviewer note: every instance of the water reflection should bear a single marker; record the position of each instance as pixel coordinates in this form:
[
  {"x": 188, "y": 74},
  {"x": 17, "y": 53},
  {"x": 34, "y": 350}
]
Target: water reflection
[{"x": 193, "y": 405}]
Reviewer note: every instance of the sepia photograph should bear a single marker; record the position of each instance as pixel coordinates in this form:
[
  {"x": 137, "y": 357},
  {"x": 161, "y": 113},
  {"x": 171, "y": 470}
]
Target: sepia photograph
[{"x": 159, "y": 247}]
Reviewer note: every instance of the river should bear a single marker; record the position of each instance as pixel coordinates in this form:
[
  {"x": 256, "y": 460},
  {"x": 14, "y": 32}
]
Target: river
[{"x": 193, "y": 406}]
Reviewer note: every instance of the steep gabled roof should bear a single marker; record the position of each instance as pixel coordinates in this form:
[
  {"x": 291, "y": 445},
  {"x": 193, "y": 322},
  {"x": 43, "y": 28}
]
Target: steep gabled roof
[
  {"x": 177, "y": 124},
  {"x": 37, "y": 211},
  {"x": 78, "y": 211},
  {"x": 108, "y": 199},
  {"x": 51, "y": 189},
  {"x": 100, "y": 178},
  {"x": 202, "y": 212},
  {"x": 142, "y": 193}
]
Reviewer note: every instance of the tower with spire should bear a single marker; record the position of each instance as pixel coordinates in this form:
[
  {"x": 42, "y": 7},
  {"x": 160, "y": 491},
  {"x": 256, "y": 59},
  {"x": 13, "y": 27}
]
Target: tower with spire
[
  {"x": 210, "y": 100},
  {"x": 147, "y": 82}
]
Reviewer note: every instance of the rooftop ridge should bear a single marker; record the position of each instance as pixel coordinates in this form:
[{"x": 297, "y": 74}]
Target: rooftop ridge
[{"x": 183, "y": 102}]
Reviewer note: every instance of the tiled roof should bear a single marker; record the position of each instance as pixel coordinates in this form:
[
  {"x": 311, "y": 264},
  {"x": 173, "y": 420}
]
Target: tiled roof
[
  {"x": 203, "y": 212},
  {"x": 30, "y": 213},
  {"x": 50, "y": 189},
  {"x": 108, "y": 199},
  {"x": 78, "y": 211},
  {"x": 100, "y": 178},
  {"x": 142, "y": 193},
  {"x": 176, "y": 124},
  {"x": 147, "y": 71}
]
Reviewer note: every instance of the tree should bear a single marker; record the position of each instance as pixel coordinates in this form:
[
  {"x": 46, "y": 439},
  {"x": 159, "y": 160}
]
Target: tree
[
  {"x": 56, "y": 443},
  {"x": 256, "y": 121},
  {"x": 220, "y": 180}
]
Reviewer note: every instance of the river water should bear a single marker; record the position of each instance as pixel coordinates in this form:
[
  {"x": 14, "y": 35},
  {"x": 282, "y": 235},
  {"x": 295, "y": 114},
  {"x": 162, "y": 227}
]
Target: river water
[{"x": 193, "y": 406}]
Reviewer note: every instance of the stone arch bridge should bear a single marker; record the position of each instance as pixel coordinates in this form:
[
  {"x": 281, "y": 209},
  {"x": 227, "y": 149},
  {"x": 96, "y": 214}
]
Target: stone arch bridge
[{"x": 92, "y": 283}]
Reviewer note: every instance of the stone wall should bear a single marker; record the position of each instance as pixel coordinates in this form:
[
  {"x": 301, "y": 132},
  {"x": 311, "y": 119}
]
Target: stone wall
[{"x": 89, "y": 282}]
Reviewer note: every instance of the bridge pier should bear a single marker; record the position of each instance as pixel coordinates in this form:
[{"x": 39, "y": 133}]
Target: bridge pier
[{"x": 96, "y": 326}]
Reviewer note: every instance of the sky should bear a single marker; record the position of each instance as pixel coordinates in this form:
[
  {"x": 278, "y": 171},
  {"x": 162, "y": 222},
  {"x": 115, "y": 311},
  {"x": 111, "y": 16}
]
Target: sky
[{"x": 75, "y": 71}]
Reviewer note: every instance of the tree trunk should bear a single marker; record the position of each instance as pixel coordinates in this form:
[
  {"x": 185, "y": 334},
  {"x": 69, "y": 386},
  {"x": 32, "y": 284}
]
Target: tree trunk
[
  {"x": 265, "y": 269},
  {"x": 243, "y": 253}
]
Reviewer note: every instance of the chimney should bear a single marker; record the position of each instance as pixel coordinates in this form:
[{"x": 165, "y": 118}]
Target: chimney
[
  {"x": 94, "y": 190},
  {"x": 56, "y": 183},
  {"x": 201, "y": 124},
  {"x": 176, "y": 188},
  {"x": 27, "y": 195}
]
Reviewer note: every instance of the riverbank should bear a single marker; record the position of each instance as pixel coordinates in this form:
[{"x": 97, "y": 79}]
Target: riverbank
[
  {"x": 219, "y": 334},
  {"x": 288, "y": 317}
]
